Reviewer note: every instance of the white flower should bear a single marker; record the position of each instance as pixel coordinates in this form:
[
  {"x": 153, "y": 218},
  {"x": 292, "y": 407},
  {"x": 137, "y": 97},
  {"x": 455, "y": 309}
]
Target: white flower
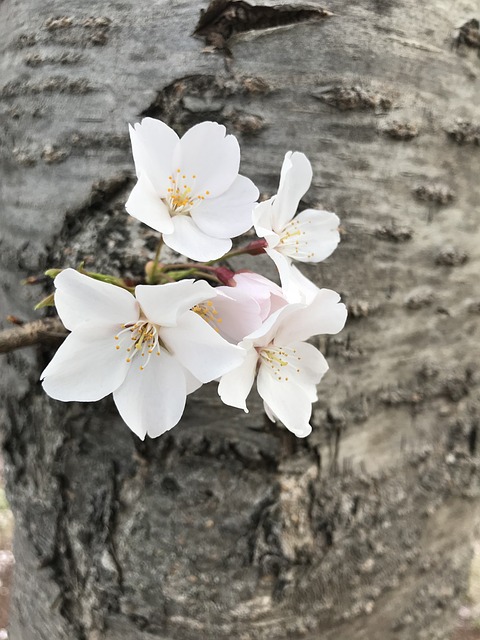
[
  {"x": 189, "y": 188},
  {"x": 288, "y": 369},
  {"x": 150, "y": 350},
  {"x": 310, "y": 236}
]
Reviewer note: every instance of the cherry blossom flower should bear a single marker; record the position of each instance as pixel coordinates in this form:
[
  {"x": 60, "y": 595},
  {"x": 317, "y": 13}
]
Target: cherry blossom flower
[
  {"x": 287, "y": 368},
  {"x": 310, "y": 236},
  {"x": 150, "y": 350},
  {"x": 189, "y": 189}
]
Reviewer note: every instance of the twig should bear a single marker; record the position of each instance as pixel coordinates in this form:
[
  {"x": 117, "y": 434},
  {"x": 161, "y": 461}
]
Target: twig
[{"x": 48, "y": 330}]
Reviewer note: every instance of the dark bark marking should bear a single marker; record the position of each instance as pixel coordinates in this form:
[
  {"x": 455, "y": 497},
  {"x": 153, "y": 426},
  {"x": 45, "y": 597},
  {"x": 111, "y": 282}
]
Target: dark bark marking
[
  {"x": 394, "y": 232},
  {"x": 55, "y": 84},
  {"x": 101, "y": 194},
  {"x": 65, "y": 58},
  {"x": 69, "y": 144},
  {"x": 51, "y": 154},
  {"x": 469, "y": 34},
  {"x": 464, "y": 132},
  {"x": 428, "y": 383},
  {"x": 25, "y": 40},
  {"x": 472, "y": 438},
  {"x": 360, "y": 308},
  {"x": 245, "y": 123},
  {"x": 354, "y": 98},
  {"x": 451, "y": 257},
  {"x": 419, "y": 297},
  {"x": 23, "y": 156},
  {"x": 95, "y": 29},
  {"x": 225, "y": 18},
  {"x": 440, "y": 194},
  {"x": 190, "y": 100},
  {"x": 401, "y": 130},
  {"x": 474, "y": 307}
]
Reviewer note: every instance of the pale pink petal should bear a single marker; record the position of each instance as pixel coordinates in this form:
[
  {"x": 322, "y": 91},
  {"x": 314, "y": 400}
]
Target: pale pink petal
[
  {"x": 87, "y": 366},
  {"x": 153, "y": 146},
  {"x": 230, "y": 214},
  {"x": 212, "y": 157},
  {"x": 79, "y": 299},
  {"x": 267, "y": 293},
  {"x": 188, "y": 240},
  {"x": 200, "y": 349},
  {"x": 235, "y": 386},
  {"x": 324, "y": 315},
  {"x": 164, "y": 303},
  {"x": 311, "y": 236},
  {"x": 152, "y": 401},
  {"x": 295, "y": 181},
  {"x": 145, "y": 205},
  {"x": 287, "y": 401},
  {"x": 234, "y": 314}
]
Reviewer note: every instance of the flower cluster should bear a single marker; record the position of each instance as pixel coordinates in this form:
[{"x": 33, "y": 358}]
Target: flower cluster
[{"x": 153, "y": 344}]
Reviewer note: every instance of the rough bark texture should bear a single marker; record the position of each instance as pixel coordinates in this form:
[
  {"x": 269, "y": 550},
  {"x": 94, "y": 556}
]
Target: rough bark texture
[{"x": 227, "y": 527}]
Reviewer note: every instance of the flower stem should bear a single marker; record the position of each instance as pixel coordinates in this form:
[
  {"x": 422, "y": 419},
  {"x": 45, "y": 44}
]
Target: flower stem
[
  {"x": 151, "y": 278},
  {"x": 253, "y": 248}
]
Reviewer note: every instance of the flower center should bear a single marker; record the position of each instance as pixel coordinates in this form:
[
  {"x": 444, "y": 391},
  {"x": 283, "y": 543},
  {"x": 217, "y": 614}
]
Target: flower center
[
  {"x": 207, "y": 311},
  {"x": 139, "y": 339},
  {"x": 180, "y": 199},
  {"x": 294, "y": 240},
  {"x": 283, "y": 361}
]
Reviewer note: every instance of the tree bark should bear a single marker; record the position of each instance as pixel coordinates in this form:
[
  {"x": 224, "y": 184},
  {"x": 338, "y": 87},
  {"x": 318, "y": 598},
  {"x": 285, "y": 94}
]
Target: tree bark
[{"x": 228, "y": 527}]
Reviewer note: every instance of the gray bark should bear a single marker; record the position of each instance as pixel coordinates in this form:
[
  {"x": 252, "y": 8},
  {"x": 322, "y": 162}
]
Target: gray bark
[{"x": 227, "y": 527}]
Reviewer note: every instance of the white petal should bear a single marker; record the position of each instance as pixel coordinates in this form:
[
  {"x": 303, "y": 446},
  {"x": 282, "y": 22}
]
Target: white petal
[
  {"x": 152, "y": 401},
  {"x": 309, "y": 367},
  {"x": 205, "y": 152},
  {"x": 188, "y": 240},
  {"x": 87, "y": 366},
  {"x": 263, "y": 222},
  {"x": 153, "y": 146},
  {"x": 296, "y": 287},
  {"x": 288, "y": 401},
  {"x": 295, "y": 181},
  {"x": 79, "y": 299},
  {"x": 230, "y": 214},
  {"x": 265, "y": 334},
  {"x": 311, "y": 236},
  {"x": 325, "y": 315},
  {"x": 145, "y": 205},
  {"x": 192, "y": 383},
  {"x": 270, "y": 415},
  {"x": 235, "y": 386},
  {"x": 164, "y": 303},
  {"x": 200, "y": 349}
]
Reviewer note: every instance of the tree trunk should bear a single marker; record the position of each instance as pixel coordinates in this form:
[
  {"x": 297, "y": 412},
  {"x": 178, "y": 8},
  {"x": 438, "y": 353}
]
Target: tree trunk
[{"x": 227, "y": 527}]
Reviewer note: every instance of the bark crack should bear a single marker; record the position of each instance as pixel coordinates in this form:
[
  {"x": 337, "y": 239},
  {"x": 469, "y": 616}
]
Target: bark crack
[{"x": 225, "y": 18}]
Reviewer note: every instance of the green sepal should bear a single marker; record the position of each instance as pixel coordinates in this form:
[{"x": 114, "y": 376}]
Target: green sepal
[{"x": 49, "y": 301}]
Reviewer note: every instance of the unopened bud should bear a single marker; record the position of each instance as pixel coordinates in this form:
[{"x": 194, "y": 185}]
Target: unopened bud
[
  {"x": 225, "y": 276},
  {"x": 256, "y": 247}
]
